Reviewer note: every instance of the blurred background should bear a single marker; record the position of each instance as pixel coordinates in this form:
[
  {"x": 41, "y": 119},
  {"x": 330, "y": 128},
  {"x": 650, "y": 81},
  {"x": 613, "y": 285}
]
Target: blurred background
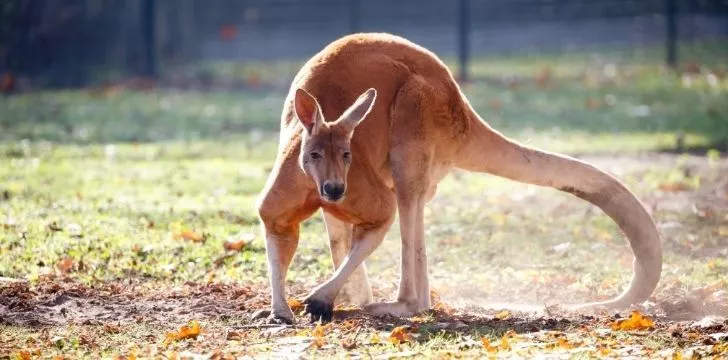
[
  {"x": 75, "y": 42},
  {"x": 256, "y": 46}
]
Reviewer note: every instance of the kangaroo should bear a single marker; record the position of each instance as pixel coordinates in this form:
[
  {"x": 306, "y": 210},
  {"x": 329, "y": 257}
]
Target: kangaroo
[{"x": 370, "y": 125}]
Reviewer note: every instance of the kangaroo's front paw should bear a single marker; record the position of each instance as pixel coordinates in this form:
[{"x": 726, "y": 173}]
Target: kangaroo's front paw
[{"x": 319, "y": 309}]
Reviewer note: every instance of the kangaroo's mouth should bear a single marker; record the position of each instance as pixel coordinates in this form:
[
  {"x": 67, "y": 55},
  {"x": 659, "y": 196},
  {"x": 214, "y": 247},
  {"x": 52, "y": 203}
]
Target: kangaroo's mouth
[
  {"x": 333, "y": 199},
  {"x": 332, "y": 191}
]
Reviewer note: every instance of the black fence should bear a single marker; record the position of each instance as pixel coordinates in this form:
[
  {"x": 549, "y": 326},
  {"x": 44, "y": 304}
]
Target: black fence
[{"x": 76, "y": 42}]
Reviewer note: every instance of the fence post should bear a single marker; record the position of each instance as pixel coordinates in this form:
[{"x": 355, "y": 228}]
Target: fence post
[
  {"x": 463, "y": 38},
  {"x": 671, "y": 33},
  {"x": 149, "y": 37},
  {"x": 354, "y": 16}
]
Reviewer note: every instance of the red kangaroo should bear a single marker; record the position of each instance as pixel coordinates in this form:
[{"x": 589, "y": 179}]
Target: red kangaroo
[{"x": 371, "y": 125}]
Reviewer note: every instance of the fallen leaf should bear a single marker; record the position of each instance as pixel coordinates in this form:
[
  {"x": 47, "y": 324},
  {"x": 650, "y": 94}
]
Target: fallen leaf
[
  {"x": 487, "y": 346},
  {"x": 320, "y": 330},
  {"x": 505, "y": 314},
  {"x": 400, "y": 335},
  {"x": 504, "y": 343},
  {"x": 348, "y": 344},
  {"x": 65, "y": 265},
  {"x": 235, "y": 335},
  {"x": 234, "y": 245},
  {"x": 319, "y": 333},
  {"x": 184, "y": 332},
  {"x": 295, "y": 305},
  {"x": 189, "y": 235},
  {"x": 673, "y": 187},
  {"x": 636, "y": 321},
  {"x": 112, "y": 329},
  {"x": 24, "y": 355},
  {"x": 375, "y": 339}
]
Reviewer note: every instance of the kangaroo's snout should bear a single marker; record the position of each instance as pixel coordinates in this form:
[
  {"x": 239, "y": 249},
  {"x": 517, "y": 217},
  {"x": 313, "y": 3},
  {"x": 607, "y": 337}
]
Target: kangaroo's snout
[{"x": 333, "y": 190}]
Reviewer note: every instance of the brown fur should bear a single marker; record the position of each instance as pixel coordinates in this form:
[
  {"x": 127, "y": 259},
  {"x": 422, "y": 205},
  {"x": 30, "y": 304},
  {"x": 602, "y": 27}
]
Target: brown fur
[{"x": 419, "y": 128}]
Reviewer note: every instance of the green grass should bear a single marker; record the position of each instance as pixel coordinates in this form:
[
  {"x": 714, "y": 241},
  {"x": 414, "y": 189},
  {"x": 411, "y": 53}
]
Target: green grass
[{"x": 95, "y": 188}]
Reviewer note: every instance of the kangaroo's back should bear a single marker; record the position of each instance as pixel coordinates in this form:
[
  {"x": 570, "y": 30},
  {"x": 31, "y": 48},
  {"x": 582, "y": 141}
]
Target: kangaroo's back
[{"x": 341, "y": 71}]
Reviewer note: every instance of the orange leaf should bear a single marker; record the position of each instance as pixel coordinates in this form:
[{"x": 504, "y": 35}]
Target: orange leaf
[
  {"x": 673, "y": 187},
  {"x": 400, "y": 335},
  {"x": 295, "y": 305},
  {"x": 234, "y": 245},
  {"x": 184, "y": 332},
  {"x": 487, "y": 346},
  {"x": 65, "y": 265},
  {"x": 24, "y": 355},
  {"x": 189, "y": 235},
  {"x": 319, "y": 330},
  {"x": 636, "y": 321}
]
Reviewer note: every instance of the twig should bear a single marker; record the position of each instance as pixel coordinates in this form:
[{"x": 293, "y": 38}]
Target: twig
[{"x": 265, "y": 326}]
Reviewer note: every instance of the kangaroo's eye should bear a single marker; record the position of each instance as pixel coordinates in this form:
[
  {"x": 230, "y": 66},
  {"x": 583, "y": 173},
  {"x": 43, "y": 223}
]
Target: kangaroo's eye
[
  {"x": 347, "y": 155},
  {"x": 315, "y": 155}
]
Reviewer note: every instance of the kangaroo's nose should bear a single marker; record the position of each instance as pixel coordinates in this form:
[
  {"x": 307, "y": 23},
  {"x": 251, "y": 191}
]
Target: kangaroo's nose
[{"x": 333, "y": 190}]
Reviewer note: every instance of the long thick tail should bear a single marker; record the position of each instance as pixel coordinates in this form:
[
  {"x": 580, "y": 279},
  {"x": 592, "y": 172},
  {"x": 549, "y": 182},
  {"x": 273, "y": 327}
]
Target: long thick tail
[{"x": 489, "y": 151}]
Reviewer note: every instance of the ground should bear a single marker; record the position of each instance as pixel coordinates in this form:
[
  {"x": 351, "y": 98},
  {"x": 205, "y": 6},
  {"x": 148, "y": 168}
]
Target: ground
[{"x": 127, "y": 214}]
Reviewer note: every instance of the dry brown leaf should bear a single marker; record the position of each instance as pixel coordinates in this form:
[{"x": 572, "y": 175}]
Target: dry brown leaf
[
  {"x": 348, "y": 344},
  {"x": 400, "y": 335},
  {"x": 112, "y": 329},
  {"x": 65, "y": 265},
  {"x": 295, "y": 305},
  {"x": 234, "y": 245},
  {"x": 503, "y": 315},
  {"x": 636, "y": 321},
  {"x": 24, "y": 355},
  {"x": 235, "y": 335}
]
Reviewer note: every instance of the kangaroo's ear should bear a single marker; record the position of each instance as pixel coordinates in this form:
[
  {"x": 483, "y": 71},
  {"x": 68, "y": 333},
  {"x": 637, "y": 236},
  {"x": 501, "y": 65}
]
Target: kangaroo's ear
[
  {"x": 307, "y": 111},
  {"x": 358, "y": 111}
]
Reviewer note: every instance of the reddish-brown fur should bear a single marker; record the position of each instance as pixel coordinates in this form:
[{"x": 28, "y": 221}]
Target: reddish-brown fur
[{"x": 419, "y": 127}]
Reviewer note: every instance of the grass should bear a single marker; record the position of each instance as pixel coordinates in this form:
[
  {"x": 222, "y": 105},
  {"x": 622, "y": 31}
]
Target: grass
[{"x": 127, "y": 198}]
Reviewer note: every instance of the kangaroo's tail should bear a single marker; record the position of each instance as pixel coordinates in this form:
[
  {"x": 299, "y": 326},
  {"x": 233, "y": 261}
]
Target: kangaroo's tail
[{"x": 489, "y": 151}]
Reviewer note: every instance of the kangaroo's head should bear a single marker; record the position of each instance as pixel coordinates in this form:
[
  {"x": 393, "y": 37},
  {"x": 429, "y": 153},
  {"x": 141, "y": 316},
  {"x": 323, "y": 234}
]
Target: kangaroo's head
[{"x": 326, "y": 146}]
